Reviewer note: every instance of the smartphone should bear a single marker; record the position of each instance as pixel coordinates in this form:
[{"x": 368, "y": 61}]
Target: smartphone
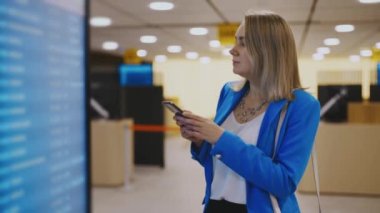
[{"x": 172, "y": 107}]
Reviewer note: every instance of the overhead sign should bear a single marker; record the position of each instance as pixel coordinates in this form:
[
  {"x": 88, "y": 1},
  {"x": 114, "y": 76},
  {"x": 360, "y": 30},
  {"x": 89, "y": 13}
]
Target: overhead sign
[
  {"x": 130, "y": 56},
  {"x": 226, "y": 33},
  {"x": 375, "y": 54}
]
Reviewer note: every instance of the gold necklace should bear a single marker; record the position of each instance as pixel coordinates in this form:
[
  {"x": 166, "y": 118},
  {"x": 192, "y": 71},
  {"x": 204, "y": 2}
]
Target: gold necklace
[{"x": 245, "y": 113}]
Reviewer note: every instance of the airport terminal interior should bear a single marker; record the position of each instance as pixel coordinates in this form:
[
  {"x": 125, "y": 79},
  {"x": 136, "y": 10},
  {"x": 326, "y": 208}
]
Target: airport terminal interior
[{"x": 83, "y": 127}]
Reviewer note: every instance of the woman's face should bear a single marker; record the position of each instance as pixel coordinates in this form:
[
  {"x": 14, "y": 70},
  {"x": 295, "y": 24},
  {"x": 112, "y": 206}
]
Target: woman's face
[{"x": 241, "y": 60}]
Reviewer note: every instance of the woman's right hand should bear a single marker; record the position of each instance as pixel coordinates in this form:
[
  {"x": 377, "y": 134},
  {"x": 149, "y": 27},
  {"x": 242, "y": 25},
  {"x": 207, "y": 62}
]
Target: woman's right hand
[{"x": 186, "y": 130}]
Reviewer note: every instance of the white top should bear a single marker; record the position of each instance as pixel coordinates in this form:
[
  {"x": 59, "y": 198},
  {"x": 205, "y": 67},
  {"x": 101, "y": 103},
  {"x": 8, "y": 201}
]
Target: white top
[{"x": 227, "y": 184}]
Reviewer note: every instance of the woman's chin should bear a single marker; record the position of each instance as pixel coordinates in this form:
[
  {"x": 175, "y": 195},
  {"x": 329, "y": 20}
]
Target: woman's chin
[{"x": 237, "y": 72}]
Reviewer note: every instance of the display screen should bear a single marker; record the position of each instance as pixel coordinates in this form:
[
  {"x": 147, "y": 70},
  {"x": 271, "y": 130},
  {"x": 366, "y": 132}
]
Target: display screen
[
  {"x": 43, "y": 115},
  {"x": 378, "y": 73},
  {"x": 136, "y": 75}
]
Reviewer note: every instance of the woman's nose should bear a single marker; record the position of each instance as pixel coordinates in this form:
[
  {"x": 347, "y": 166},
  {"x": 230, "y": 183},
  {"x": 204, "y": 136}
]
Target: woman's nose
[{"x": 234, "y": 52}]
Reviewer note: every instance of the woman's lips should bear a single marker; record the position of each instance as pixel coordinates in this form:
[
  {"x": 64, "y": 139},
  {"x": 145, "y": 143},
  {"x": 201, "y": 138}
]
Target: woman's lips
[{"x": 234, "y": 62}]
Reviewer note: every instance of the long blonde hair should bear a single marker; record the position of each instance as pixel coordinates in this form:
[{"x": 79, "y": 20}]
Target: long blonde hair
[{"x": 270, "y": 42}]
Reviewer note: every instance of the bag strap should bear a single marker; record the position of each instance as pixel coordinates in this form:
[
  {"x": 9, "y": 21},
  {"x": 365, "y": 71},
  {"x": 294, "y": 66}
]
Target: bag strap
[
  {"x": 279, "y": 125},
  {"x": 275, "y": 204},
  {"x": 313, "y": 154},
  {"x": 316, "y": 176}
]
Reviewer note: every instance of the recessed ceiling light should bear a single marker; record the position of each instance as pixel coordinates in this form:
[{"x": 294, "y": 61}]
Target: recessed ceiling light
[
  {"x": 354, "y": 58},
  {"x": 226, "y": 52},
  {"x": 174, "y": 49},
  {"x": 148, "y": 39},
  {"x": 366, "y": 53},
  {"x": 205, "y": 60},
  {"x": 331, "y": 41},
  {"x": 161, "y": 5},
  {"x": 369, "y": 1},
  {"x": 198, "y": 31},
  {"x": 100, "y": 21},
  {"x": 344, "y": 28},
  {"x": 160, "y": 58},
  {"x": 110, "y": 45},
  {"x": 323, "y": 50},
  {"x": 377, "y": 45},
  {"x": 192, "y": 55},
  {"x": 214, "y": 43},
  {"x": 318, "y": 56},
  {"x": 142, "y": 53}
]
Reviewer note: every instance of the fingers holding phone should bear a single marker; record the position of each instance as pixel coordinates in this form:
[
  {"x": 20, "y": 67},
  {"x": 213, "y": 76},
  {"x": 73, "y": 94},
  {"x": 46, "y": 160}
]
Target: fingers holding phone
[{"x": 187, "y": 131}]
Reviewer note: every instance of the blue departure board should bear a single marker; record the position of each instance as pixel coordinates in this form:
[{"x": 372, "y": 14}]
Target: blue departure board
[
  {"x": 43, "y": 115},
  {"x": 136, "y": 75}
]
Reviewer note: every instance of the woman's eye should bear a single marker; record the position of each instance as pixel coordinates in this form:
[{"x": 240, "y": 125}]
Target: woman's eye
[{"x": 240, "y": 42}]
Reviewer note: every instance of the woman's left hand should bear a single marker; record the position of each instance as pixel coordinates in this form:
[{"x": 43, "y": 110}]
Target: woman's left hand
[{"x": 202, "y": 128}]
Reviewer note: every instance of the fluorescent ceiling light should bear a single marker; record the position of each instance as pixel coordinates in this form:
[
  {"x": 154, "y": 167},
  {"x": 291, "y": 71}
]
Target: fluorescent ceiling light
[
  {"x": 142, "y": 53},
  {"x": 354, "y": 58},
  {"x": 174, "y": 49},
  {"x": 192, "y": 55},
  {"x": 366, "y": 53},
  {"x": 198, "y": 31},
  {"x": 214, "y": 43},
  {"x": 369, "y": 1},
  {"x": 377, "y": 45},
  {"x": 318, "y": 57},
  {"x": 100, "y": 21},
  {"x": 344, "y": 28},
  {"x": 110, "y": 45},
  {"x": 323, "y": 50},
  {"x": 161, "y": 5},
  {"x": 331, "y": 41},
  {"x": 160, "y": 58},
  {"x": 205, "y": 60},
  {"x": 148, "y": 39}
]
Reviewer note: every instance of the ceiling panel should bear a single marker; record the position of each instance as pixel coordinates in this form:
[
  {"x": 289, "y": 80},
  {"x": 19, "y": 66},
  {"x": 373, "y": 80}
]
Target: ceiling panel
[
  {"x": 349, "y": 42},
  {"x": 133, "y": 18},
  {"x": 292, "y": 10},
  {"x": 194, "y": 11},
  {"x": 343, "y": 11},
  {"x": 102, "y": 8}
]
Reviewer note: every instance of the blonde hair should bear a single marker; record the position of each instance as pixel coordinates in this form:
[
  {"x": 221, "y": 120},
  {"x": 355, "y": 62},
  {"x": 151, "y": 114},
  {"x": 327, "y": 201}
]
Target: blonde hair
[{"x": 270, "y": 42}]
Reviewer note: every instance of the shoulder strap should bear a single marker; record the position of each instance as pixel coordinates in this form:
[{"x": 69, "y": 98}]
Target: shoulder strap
[
  {"x": 275, "y": 204},
  {"x": 279, "y": 125},
  {"x": 316, "y": 175},
  {"x": 314, "y": 160}
]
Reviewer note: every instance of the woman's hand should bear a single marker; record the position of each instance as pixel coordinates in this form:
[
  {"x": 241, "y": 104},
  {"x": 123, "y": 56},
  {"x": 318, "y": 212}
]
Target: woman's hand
[
  {"x": 186, "y": 130},
  {"x": 198, "y": 128}
]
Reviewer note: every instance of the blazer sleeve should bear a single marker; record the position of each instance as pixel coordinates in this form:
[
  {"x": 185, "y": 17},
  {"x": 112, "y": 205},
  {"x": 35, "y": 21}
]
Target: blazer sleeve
[
  {"x": 200, "y": 153},
  {"x": 281, "y": 176}
]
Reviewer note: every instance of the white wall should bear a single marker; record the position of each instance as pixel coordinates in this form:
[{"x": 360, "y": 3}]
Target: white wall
[
  {"x": 309, "y": 69},
  {"x": 336, "y": 71},
  {"x": 198, "y": 85}
]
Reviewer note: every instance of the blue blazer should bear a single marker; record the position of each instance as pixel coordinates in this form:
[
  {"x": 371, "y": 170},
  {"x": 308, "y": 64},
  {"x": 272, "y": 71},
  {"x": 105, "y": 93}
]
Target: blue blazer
[{"x": 263, "y": 175}]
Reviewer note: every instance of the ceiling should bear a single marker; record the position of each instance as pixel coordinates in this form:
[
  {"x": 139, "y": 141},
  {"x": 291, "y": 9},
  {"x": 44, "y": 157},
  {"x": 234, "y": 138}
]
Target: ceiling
[{"x": 312, "y": 21}]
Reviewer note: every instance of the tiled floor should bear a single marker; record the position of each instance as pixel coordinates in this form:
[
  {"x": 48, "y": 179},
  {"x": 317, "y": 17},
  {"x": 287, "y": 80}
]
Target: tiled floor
[{"x": 179, "y": 188}]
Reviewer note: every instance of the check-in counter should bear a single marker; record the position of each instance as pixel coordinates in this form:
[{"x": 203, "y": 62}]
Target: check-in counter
[
  {"x": 364, "y": 112},
  {"x": 112, "y": 152},
  {"x": 348, "y": 159}
]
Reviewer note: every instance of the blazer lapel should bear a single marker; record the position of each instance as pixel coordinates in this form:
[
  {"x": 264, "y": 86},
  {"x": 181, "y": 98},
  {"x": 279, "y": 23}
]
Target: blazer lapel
[{"x": 269, "y": 125}]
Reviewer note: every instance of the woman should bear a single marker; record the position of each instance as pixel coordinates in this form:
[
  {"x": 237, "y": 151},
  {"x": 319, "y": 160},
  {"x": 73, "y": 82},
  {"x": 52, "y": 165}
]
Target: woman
[{"x": 236, "y": 150}]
